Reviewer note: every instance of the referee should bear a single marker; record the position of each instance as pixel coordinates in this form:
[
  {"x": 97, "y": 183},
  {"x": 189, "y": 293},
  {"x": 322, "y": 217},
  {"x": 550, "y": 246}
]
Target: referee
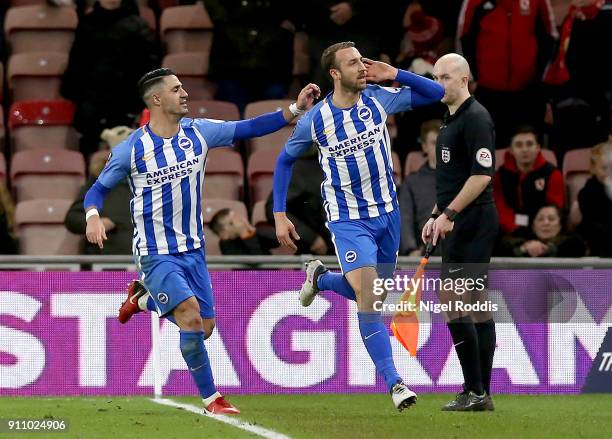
[{"x": 465, "y": 220}]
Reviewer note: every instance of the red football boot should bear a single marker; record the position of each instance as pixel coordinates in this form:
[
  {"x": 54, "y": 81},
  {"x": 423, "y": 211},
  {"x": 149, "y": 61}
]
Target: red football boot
[
  {"x": 130, "y": 307},
  {"x": 221, "y": 407}
]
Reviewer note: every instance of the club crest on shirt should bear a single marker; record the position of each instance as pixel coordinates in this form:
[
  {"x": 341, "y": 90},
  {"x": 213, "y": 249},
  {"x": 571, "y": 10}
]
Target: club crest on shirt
[
  {"x": 539, "y": 184},
  {"x": 185, "y": 143},
  {"x": 350, "y": 256},
  {"x": 364, "y": 113},
  {"x": 484, "y": 157},
  {"x": 445, "y": 154},
  {"x": 163, "y": 298}
]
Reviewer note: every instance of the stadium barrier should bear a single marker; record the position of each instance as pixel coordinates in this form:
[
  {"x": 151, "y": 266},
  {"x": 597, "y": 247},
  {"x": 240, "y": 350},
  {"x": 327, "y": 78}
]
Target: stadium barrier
[{"x": 58, "y": 334}]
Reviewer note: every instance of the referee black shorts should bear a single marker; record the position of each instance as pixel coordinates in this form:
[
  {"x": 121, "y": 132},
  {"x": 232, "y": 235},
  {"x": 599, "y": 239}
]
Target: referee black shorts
[{"x": 467, "y": 250}]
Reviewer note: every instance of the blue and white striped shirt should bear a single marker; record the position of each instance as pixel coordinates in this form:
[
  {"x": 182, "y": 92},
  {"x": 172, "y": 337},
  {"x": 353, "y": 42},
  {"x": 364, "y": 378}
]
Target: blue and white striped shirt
[
  {"x": 166, "y": 177},
  {"x": 355, "y": 151}
]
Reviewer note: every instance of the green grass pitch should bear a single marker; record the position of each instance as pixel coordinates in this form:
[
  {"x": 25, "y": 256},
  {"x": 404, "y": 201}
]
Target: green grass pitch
[{"x": 321, "y": 416}]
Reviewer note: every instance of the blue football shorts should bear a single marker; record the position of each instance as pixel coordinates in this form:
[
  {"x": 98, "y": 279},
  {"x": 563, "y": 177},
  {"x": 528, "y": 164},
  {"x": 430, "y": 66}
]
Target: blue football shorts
[
  {"x": 369, "y": 242},
  {"x": 171, "y": 279}
]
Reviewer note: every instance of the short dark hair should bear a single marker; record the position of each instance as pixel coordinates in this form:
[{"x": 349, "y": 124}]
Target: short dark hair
[
  {"x": 527, "y": 129},
  {"x": 215, "y": 223},
  {"x": 328, "y": 59},
  {"x": 151, "y": 79}
]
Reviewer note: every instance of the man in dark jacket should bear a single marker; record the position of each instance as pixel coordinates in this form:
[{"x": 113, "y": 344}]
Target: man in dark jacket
[
  {"x": 238, "y": 237},
  {"x": 525, "y": 182},
  {"x": 113, "y": 47}
]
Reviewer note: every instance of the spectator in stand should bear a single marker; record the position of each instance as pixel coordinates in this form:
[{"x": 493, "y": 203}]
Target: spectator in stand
[
  {"x": 116, "y": 214},
  {"x": 525, "y": 182},
  {"x": 8, "y": 244},
  {"x": 305, "y": 206},
  {"x": 417, "y": 194},
  {"x": 113, "y": 47},
  {"x": 508, "y": 43},
  {"x": 238, "y": 237},
  {"x": 252, "y": 51},
  {"x": 545, "y": 238},
  {"x": 595, "y": 203},
  {"x": 375, "y": 28}
]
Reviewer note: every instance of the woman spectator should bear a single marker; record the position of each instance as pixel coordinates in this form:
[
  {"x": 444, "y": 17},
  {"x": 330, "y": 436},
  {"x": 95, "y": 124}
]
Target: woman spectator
[{"x": 544, "y": 238}]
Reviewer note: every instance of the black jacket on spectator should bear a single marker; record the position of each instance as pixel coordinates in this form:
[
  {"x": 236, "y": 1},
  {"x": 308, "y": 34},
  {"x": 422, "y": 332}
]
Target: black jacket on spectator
[
  {"x": 260, "y": 243},
  {"x": 561, "y": 246},
  {"x": 596, "y": 225},
  {"x": 112, "y": 49},
  {"x": 117, "y": 209}
]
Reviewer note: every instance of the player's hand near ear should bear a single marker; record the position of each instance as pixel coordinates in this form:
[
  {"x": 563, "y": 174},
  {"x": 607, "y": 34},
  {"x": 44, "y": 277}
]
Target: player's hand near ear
[{"x": 378, "y": 71}]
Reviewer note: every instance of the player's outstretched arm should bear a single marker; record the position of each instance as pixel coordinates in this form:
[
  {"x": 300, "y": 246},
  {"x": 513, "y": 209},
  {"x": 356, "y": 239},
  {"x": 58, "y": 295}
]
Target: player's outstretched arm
[
  {"x": 270, "y": 122},
  {"x": 117, "y": 168},
  {"x": 424, "y": 91}
]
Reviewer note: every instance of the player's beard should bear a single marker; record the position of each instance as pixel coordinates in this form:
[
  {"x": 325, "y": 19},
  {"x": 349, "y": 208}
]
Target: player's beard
[{"x": 352, "y": 86}]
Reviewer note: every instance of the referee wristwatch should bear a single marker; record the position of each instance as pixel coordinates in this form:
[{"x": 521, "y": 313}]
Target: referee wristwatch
[{"x": 450, "y": 213}]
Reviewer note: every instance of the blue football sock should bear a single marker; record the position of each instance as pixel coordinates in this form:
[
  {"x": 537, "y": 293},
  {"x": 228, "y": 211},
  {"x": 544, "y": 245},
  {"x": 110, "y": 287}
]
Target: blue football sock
[
  {"x": 337, "y": 283},
  {"x": 376, "y": 340},
  {"x": 196, "y": 357}
]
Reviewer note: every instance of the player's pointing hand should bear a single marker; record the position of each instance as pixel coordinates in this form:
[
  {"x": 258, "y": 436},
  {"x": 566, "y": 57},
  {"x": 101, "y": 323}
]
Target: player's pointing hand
[
  {"x": 307, "y": 96},
  {"x": 285, "y": 231},
  {"x": 95, "y": 232}
]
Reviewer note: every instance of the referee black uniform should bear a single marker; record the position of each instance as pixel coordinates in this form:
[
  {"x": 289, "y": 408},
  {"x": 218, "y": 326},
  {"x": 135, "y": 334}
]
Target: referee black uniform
[{"x": 466, "y": 147}]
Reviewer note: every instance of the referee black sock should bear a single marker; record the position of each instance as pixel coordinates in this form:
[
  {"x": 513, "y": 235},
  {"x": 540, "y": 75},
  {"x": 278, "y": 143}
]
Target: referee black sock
[
  {"x": 465, "y": 340},
  {"x": 486, "y": 343}
]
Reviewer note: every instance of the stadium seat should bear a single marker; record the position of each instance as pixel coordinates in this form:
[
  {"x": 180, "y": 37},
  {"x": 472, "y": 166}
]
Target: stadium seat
[
  {"x": 42, "y": 124},
  {"x": 500, "y": 157},
  {"x": 40, "y": 228},
  {"x": 397, "y": 168},
  {"x": 36, "y": 76},
  {"x": 211, "y": 109},
  {"x": 576, "y": 171},
  {"x": 148, "y": 15},
  {"x": 258, "y": 217},
  {"x": 2, "y": 130},
  {"x": 210, "y": 207},
  {"x": 2, "y": 168},
  {"x": 224, "y": 174},
  {"x": 186, "y": 29},
  {"x": 50, "y": 173},
  {"x": 191, "y": 68},
  {"x": 274, "y": 141},
  {"x": 414, "y": 161},
  {"x": 40, "y": 28},
  {"x": 260, "y": 170}
]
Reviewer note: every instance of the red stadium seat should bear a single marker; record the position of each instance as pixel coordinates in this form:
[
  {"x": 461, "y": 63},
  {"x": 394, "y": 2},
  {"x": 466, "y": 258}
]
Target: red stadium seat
[
  {"x": 576, "y": 171},
  {"x": 186, "y": 29},
  {"x": 2, "y": 130},
  {"x": 260, "y": 170},
  {"x": 2, "y": 168},
  {"x": 274, "y": 141},
  {"x": 258, "y": 217},
  {"x": 224, "y": 174},
  {"x": 500, "y": 157},
  {"x": 50, "y": 173},
  {"x": 397, "y": 168},
  {"x": 41, "y": 230},
  {"x": 414, "y": 161},
  {"x": 148, "y": 15},
  {"x": 36, "y": 76},
  {"x": 40, "y": 28},
  {"x": 42, "y": 124},
  {"x": 191, "y": 68},
  {"x": 211, "y": 109},
  {"x": 210, "y": 207}
]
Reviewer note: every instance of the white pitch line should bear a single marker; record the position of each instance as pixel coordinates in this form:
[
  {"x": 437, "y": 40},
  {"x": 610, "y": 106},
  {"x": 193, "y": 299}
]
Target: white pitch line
[{"x": 260, "y": 431}]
